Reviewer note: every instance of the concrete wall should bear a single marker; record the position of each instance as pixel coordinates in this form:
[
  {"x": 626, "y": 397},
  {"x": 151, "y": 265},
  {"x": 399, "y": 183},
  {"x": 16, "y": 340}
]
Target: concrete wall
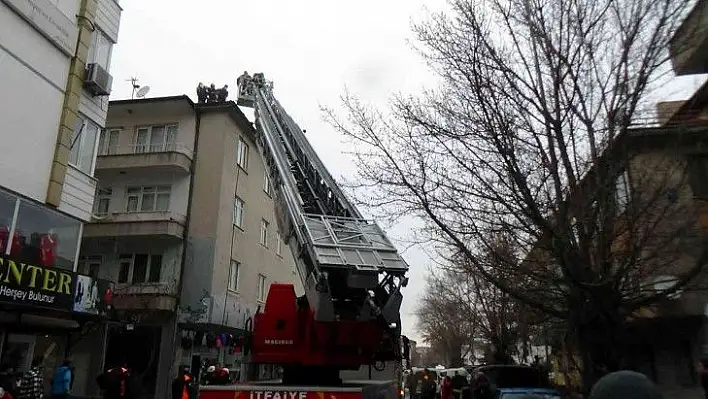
[
  {"x": 78, "y": 194},
  {"x": 34, "y": 73},
  {"x": 215, "y": 241}
]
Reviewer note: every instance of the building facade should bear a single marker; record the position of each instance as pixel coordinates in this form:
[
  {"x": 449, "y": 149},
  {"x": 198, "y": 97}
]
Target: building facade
[
  {"x": 184, "y": 225},
  {"x": 54, "y": 62}
]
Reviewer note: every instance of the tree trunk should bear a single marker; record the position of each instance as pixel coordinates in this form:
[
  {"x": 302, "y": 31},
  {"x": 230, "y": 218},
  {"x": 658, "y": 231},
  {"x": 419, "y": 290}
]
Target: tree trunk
[{"x": 601, "y": 347}]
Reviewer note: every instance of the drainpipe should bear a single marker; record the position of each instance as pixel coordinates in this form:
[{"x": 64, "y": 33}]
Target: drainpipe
[
  {"x": 185, "y": 237},
  {"x": 188, "y": 219}
]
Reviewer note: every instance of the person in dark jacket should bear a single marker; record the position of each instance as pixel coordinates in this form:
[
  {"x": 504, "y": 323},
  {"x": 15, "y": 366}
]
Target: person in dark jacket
[
  {"x": 704, "y": 376},
  {"x": 482, "y": 388},
  {"x": 428, "y": 387},
  {"x": 625, "y": 384},
  {"x": 184, "y": 387},
  {"x": 119, "y": 383}
]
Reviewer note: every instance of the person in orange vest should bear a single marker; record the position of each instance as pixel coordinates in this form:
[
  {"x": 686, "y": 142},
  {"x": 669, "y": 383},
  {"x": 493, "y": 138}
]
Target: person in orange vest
[{"x": 184, "y": 387}]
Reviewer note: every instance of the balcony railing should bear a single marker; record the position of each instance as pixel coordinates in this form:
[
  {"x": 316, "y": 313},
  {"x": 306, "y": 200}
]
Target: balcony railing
[{"x": 145, "y": 149}]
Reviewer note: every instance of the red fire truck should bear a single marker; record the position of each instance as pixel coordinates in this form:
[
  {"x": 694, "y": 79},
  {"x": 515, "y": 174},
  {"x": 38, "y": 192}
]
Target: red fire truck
[{"x": 349, "y": 317}]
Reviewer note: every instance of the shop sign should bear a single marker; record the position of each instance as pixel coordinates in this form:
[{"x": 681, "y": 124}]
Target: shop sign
[{"x": 52, "y": 288}]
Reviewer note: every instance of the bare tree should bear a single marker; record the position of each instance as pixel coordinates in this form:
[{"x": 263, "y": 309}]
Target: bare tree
[
  {"x": 445, "y": 319},
  {"x": 531, "y": 134}
]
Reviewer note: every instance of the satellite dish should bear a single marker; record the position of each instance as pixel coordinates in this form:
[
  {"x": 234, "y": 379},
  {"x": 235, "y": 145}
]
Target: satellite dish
[{"x": 142, "y": 92}]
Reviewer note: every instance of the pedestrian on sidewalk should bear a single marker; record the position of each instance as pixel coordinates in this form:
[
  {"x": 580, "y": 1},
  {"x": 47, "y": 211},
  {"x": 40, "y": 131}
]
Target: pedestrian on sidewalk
[
  {"x": 119, "y": 383},
  {"x": 32, "y": 383},
  {"x": 446, "y": 388},
  {"x": 704, "y": 376},
  {"x": 62, "y": 380},
  {"x": 183, "y": 387}
]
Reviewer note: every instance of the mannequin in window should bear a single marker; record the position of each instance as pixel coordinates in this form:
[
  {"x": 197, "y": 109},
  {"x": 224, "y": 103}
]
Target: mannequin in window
[
  {"x": 18, "y": 244},
  {"x": 48, "y": 249},
  {"x": 4, "y": 235}
]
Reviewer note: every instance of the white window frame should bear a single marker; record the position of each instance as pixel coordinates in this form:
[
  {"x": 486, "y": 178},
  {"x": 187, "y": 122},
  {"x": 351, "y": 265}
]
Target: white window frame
[
  {"x": 97, "y": 37},
  {"x": 234, "y": 274},
  {"x": 108, "y": 141},
  {"x": 103, "y": 195},
  {"x": 623, "y": 192},
  {"x": 264, "y": 233},
  {"x": 266, "y": 182},
  {"x": 239, "y": 208},
  {"x": 140, "y": 192},
  {"x": 78, "y": 141},
  {"x": 261, "y": 288},
  {"x": 166, "y": 144},
  {"x": 278, "y": 244},
  {"x": 242, "y": 154},
  {"x": 131, "y": 268}
]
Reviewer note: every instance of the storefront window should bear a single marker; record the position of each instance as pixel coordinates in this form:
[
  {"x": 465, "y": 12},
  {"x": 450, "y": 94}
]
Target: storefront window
[
  {"x": 46, "y": 238},
  {"x": 7, "y": 211}
]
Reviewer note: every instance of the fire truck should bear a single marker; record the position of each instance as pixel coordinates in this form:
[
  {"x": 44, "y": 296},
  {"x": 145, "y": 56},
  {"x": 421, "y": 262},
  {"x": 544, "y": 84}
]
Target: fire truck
[{"x": 349, "y": 316}]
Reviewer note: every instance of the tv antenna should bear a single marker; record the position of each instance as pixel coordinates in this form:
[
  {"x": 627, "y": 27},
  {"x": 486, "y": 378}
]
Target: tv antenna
[{"x": 138, "y": 91}]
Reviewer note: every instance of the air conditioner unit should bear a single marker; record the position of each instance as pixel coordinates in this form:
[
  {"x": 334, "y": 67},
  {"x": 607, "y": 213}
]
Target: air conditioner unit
[{"x": 97, "y": 80}]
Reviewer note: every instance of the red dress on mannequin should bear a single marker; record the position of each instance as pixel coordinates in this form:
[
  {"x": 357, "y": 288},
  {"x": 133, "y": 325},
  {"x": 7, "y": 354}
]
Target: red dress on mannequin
[
  {"x": 16, "y": 242},
  {"x": 48, "y": 250}
]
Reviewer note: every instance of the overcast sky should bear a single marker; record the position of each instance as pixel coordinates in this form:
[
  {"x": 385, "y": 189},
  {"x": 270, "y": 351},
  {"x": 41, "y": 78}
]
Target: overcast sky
[{"x": 310, "y": 49}]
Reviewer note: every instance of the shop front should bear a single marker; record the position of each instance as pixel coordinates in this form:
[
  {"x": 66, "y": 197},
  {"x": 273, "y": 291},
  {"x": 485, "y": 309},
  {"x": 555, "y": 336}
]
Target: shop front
[{"x": 52, "y": 313}]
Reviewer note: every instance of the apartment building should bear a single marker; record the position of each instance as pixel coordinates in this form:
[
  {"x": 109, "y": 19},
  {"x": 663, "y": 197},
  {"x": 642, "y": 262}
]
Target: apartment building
[
  {"x": 54, "y": 62},
  {"x": 184, "y": 225}
]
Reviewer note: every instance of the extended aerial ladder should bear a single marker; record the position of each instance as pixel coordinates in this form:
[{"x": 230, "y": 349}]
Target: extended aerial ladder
[{"x": 351, "y": 273}]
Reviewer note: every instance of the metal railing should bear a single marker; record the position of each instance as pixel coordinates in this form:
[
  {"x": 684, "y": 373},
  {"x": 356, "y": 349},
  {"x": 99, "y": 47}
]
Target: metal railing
[{"x": 145, "y": 149}]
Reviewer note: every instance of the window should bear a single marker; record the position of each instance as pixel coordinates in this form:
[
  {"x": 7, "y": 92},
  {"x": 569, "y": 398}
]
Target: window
[
  {"x": 233, "y": 275},
  {"x": 148, "y": 199},
  {"x": 266, "y": 182},
  {"x": 90, "y": 265},
  {"x": 264, "y": 233},
  {"x": 238, "y": 212},
  {"x": 139, "y": 268},
  {"x": 622, "y": 192},
  {"x": 42, "y": 237},
  {"x": 278, "y": 244},
  {"x": 158, "y": 138},
  {"x": 242, "y": 154},
  {"x": 102, "y": 205},
  {"x": 108, "y": 142},
  {"x": 100, "y": 50},
  {"x": 261, "y": 293},
  {"x": 83, "y": 145}
]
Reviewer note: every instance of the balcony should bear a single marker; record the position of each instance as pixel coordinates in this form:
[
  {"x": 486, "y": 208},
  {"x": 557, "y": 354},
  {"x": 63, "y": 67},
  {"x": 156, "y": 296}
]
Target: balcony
[
  {"x": 165, "y": 224},
  {"x": 689, "y": 46},
  {"x": 167, "y": 157},
  {"x": 148, "y": 296}
]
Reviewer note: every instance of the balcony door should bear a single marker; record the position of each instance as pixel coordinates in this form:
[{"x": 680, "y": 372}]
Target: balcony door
[
  {"x": 108, "y": 142},
  {"x": 157, "y": 138}
]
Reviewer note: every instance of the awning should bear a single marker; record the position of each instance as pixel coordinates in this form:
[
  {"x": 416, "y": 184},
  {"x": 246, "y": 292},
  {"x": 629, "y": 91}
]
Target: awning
[{"x": 213, "y": 328}]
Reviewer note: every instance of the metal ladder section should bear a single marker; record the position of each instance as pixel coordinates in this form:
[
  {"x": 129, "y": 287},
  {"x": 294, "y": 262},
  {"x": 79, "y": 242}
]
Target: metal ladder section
[{"x": 349, "y": 268}]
